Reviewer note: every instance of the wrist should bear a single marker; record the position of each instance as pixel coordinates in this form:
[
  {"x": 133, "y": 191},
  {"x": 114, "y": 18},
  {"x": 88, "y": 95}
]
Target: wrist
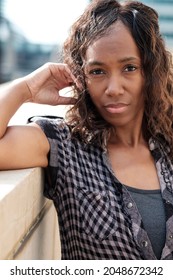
[{"x": 19, "y": 86}]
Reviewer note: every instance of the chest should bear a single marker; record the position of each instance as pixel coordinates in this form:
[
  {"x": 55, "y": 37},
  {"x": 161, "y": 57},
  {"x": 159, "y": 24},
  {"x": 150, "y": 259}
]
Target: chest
[{"x": 135, "y": 168}]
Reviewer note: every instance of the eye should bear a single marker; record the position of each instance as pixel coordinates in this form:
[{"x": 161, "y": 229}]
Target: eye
[
  {"x": 130, "y": 68},
  {"x": 96, "y": 72}
]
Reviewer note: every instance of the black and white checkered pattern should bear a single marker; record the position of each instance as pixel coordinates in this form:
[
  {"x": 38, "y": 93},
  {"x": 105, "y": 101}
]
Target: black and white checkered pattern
[{"x": 92, "y": 205}]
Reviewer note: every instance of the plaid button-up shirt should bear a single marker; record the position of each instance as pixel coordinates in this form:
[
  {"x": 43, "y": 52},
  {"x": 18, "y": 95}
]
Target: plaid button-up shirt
[{"x": 98, "y": 218}]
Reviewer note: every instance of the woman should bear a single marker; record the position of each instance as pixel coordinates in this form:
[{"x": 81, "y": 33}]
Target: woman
[{"x": 109, "y": 163}]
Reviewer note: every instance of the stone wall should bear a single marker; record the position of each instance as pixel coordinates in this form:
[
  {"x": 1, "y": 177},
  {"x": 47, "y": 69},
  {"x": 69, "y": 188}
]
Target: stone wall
[{"x": 28, "y": 221}]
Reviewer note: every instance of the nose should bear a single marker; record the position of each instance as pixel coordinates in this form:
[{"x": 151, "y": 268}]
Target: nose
[{"x": 114, "y": 85}]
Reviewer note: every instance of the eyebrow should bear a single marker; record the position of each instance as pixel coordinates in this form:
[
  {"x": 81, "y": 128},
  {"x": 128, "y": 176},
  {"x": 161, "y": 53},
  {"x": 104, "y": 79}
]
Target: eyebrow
[
  {"x": 122, "y": 60},
  {"x": 129, "y": 58}
]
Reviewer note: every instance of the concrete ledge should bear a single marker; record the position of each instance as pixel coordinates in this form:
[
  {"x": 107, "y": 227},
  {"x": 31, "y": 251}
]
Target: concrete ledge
[{"x": 28, "y": 221}]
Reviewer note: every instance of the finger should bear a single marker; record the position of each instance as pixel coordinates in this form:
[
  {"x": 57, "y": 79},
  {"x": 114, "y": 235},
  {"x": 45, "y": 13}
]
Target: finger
[
  {"x": 74, "y": 79},
  {"x": 68, "y": 71},
  {"x": 66, "y": 100},
  {"x": 65, "y": 71}
]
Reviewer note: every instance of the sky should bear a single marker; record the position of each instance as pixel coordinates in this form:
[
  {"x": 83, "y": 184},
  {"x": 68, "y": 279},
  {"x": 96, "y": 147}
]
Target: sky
[{"x": 44, "y": 21}]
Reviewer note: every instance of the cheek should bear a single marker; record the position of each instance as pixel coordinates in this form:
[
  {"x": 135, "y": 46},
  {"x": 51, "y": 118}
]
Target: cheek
[
  {"x": 139, "y": 90},
  {"x": 91, "y": 90},
  {"x": 139, "y": 100},
  {"x": 93, "y": 97},
  {"x": 95, "y": 89}
]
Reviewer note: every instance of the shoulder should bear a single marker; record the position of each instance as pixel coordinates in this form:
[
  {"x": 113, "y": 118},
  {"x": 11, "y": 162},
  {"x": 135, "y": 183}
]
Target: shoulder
[{"x": 53, "y": 126}]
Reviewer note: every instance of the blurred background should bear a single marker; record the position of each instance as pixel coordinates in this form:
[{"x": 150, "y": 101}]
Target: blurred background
[{"x": 32, "y": 31}]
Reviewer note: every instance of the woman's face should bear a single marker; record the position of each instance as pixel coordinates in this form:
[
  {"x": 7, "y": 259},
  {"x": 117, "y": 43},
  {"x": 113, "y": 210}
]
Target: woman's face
[{"x": 114, "y": 77}]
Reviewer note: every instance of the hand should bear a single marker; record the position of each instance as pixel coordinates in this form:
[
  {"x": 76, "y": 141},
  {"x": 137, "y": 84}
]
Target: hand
[{"x": 45, "y": 83}]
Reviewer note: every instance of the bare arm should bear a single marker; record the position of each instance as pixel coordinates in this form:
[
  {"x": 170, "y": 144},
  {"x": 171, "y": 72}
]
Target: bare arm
[{"x": 27, "y": 146}]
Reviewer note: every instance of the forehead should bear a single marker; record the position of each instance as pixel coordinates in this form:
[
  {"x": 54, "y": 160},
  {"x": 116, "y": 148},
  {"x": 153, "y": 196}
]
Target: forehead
[{"x": 116, "y": 43}]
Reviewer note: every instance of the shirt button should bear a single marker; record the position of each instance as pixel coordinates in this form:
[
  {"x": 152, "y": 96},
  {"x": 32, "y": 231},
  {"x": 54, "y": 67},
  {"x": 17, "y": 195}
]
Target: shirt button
[
  {"x": 129, "y": 205},
  {"x": 171, "y": 236},
  {"x": 152, "y": 146},
  {"x": 144, "y": 243},
  {"x": 168, "y": 202}
]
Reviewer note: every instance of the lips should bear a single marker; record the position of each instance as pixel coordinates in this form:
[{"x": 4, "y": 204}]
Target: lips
[{"x": 116, "y": 108}]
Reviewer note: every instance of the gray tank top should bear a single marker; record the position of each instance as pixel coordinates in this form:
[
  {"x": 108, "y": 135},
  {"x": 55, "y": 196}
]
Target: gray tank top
[{"x": 151, "y": 208}]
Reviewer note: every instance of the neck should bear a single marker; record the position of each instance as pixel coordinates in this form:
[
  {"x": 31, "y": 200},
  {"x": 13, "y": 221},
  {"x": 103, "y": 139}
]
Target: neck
[{"x": 129, "y": 136}]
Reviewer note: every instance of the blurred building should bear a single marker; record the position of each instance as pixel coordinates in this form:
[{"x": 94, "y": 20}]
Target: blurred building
[
  {"x": 165, "y": 11},
  {"x": 18, "y": 56}
]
